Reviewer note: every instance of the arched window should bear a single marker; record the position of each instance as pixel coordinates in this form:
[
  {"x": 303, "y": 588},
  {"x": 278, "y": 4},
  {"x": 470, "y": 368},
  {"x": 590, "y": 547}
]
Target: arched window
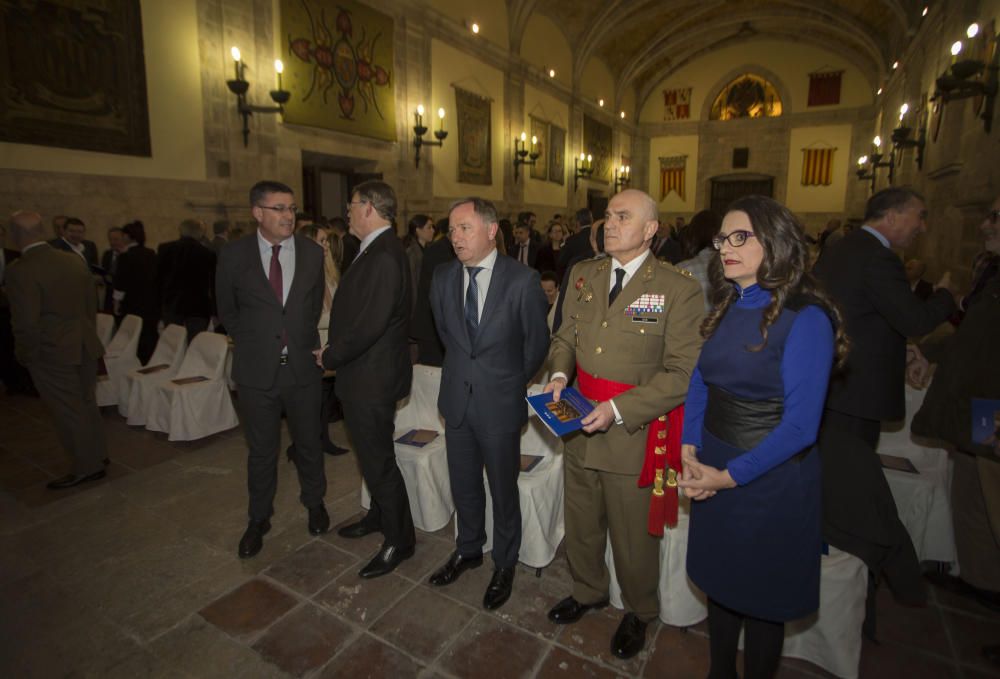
[{"x": 747, "y": 96}]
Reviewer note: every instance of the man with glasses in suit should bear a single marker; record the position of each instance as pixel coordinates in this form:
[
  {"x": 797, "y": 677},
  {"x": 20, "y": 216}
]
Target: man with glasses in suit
[{"x": 269, "y": 290}]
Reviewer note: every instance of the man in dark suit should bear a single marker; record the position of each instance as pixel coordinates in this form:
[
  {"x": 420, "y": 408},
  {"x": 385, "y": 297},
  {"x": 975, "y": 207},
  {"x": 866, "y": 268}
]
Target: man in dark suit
[
  {"x": 525, "y": 250},
  {"x": 220, "y": 231},
  {"x": 185, "y": 279},
  {"x": 578, "y": 246},
  {"x": 109, "y": 264},
  {"x": 490, "y": 313},
  {"x": 367, "y": 346},
  {"x": 71, "y": 239},
  {"x": 430, "y": 351},
  {"x": 866, "y": 278},
  {"x": 915, "y": 269},
  {"x": 54, "y": 312},
  {"x": 135, "y": 287},
  {"x": 269, "y": 287}
]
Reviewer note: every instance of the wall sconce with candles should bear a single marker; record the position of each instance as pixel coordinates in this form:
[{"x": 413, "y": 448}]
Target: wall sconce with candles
[
  {"x": 901, "y": 140},
  {"x": 868, "y": 165},
  {"x": 583, "y": 167},
  {"x": 521, "y": 153},
  {"x": 623, "y": 177},
  {"x": 959, "y": 81},
  {"x": 419, "y": 130},
  {"x": 239, "y": 87}
]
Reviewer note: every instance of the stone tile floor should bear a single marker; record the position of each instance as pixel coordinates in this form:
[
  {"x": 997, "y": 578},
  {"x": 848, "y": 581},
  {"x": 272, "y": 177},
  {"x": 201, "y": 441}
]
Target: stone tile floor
[{"x": 137, "y": 576}]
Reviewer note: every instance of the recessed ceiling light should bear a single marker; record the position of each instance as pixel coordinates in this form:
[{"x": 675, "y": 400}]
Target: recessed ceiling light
[
  {"x": 924, "y": 13},
  {"x": 552, "y": 73},
  {"x": 623, "y": 115},
  {"x": 600, "y": 102},
  {"x": 475, "y": 28},
  {"x": 895, "y": 65},
  {"x": 878, "y": 92}
]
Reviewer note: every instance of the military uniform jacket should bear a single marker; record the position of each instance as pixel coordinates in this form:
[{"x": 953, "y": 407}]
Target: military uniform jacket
[{"x": 649, "y": 338}]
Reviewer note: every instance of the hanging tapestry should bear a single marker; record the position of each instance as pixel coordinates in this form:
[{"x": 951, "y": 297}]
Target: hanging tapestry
[
  {"x": 72, "y": 75},
  {"x": 597, "y": 142},
  {"x": 677, "y": 104},
  {"x": 539, "y": 129},
  {"x": 474, "y": 151},
  {"x": 338, "y": 67},
  {"x": 672, "y": 173},
  {"x": 817, "y": 167},
  {"x": 557, "y": 155},
  {"x": 824, "y": 88}
]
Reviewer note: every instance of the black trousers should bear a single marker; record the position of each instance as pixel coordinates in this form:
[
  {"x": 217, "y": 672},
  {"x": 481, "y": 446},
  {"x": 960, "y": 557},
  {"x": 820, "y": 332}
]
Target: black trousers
[
  {"x": 761, "y": 647},
  {"x": 471, "y": 447},
  {"x": 260, "y": 410},
  {"x": 370, "y": 427}
]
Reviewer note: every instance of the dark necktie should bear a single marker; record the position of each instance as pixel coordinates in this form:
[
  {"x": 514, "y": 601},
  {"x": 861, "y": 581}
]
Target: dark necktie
[
  {"x": 472, "y": 302},
  {"x": 274, "y": 277},
  {"x": 619, "y": 277},
  {"x": 524, "y": 254}
]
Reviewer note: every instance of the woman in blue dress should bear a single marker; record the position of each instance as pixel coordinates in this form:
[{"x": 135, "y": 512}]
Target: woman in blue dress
[{"x": 752, "y": 415}]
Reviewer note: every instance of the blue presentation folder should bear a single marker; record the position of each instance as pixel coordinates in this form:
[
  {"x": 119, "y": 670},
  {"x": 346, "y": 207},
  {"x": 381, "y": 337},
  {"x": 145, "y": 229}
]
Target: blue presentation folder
[{"x": 564, "y": 416}]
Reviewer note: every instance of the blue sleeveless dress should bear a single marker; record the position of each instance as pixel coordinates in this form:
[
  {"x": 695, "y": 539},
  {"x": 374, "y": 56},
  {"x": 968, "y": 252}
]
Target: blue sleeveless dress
[{"x": 756, "y": 548}]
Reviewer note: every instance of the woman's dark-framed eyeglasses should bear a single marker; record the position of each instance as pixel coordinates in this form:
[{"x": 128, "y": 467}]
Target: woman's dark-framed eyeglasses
[{"x": 735, "y": 239}]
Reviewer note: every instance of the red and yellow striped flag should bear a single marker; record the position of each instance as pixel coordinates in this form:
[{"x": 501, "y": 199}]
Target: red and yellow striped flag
[
  {"x": 817, "y": 167},
  {"x": 672, "y": 176}
]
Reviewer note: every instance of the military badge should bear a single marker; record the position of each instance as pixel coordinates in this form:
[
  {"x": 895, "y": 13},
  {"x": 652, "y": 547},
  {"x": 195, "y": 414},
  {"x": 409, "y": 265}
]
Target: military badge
[{"x": 649, "y": 303}]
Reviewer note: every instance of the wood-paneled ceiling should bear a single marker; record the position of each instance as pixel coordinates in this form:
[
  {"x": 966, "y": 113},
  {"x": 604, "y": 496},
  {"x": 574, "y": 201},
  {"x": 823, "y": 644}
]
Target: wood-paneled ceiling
[{"x": 644, "y": 41}]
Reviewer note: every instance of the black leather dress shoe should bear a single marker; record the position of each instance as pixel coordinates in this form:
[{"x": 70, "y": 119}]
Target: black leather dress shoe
[
  {"x": 629, "y": 638},
  {"x": 499, "y": 590},
  {"x": 332, "y": 448},
  {"x": 386, "y": 560},
  {"x": 569, "y": 610},
  {"x": 253, "y": 538},
  {"x": 456, "y": 565},
  {"x": 319, "y": 520},
  {"x": 71, "y": 480},
  {"x": 358, "y": 529}
]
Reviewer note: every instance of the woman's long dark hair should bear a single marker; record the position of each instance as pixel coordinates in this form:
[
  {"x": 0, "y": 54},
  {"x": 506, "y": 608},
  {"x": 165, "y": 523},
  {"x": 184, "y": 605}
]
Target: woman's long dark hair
[
  {"x": 416, "y": 222},
  {"x": 783, "y": 272}
]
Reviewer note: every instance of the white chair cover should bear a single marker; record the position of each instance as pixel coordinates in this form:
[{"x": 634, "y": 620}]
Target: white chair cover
[
  {"x": 120, "y": 360},
  {"x": 541, "y": 496},
  {"x": 195, "y": 410},
  {"x": 424, "y": 470},
  {"x": 681, "y": 603},
  {"x": 923, "y": 500},
  {"x": 139, "y": 389},
  {"x": 105, "y": 328},
  {"x": 832, "y": 637}
]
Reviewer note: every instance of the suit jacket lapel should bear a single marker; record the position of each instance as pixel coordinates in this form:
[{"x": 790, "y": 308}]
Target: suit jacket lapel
[
  {"x": 633, "y": 289},
  {"x": 255, "y": 265},
  {"x": 458, "y": 300},
  {"x": 498, "y": 282},
  {"x": 300, "y": 272}
]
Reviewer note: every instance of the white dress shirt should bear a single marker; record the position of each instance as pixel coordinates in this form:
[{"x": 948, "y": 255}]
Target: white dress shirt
[
  {"x": 483, "y": 279},
  {"x": 369, "y": 239}
]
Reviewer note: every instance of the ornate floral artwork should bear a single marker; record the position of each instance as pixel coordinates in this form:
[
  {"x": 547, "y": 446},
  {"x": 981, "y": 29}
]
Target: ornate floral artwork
[
  {"x": 338, "y": 67},
  {"x": 557, "y": 154}
]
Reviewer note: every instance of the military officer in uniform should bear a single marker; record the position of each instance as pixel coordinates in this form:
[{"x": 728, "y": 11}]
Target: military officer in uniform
[{"x": 630, "y": 335}]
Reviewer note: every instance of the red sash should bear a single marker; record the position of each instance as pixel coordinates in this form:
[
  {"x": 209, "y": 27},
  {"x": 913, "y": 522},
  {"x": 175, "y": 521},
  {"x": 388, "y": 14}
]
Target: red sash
[{"x": 662, "y": 462}]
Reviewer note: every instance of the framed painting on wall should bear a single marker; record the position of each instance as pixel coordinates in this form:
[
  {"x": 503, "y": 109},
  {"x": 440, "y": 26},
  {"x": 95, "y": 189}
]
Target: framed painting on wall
[
  {"x": 597, "y": 142},
  {"x": 73, "y": 75},
  {"x": 557, "y": 154},
  {"x": 474, "y": 150},
  {"x": 339, "y": 67},
  {"x": 540, "y": 130}
]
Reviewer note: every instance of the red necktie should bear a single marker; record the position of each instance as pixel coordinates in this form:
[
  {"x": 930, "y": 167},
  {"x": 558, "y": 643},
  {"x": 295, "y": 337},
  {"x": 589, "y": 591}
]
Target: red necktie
[{"x": 274, "y": 277}]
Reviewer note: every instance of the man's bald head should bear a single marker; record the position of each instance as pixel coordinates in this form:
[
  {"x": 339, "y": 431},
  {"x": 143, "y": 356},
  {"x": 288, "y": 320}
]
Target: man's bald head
[{"x": 26, "y": 228}]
